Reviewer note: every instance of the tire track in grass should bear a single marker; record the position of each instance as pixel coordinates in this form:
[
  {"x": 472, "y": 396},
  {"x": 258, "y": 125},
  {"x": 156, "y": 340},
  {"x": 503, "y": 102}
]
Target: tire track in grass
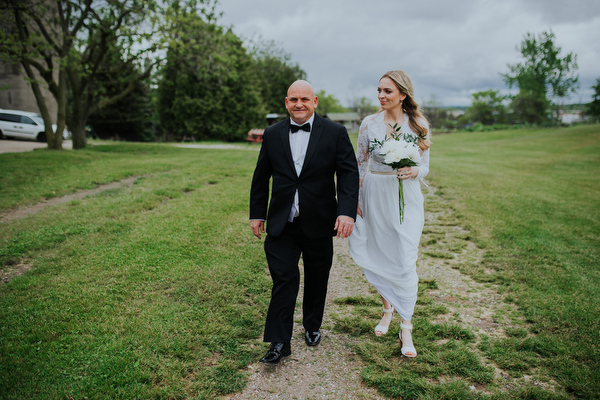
[
  {"x": 11, "y": 271},
  {"x": 23, "y": 212}
]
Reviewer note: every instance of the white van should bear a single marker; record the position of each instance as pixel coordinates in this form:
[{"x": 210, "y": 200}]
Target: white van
[{"x": 24, "y": 125}]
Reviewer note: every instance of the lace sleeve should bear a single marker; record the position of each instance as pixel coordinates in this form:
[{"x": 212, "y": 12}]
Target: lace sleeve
[
  {"x": 362, "y": 158},
  {"x": 423, "y": 164}
]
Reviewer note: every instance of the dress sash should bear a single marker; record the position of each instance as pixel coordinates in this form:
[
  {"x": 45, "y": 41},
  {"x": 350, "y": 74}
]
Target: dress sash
[{"x": 384, "y": 172}]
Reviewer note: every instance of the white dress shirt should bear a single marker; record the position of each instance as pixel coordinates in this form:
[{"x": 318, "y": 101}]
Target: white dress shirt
[{"x": 298, "y": 145}]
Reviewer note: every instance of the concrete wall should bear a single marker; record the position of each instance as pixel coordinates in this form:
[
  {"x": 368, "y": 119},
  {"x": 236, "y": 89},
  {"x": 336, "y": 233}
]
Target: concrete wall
[{"x": 16, "y": 93}]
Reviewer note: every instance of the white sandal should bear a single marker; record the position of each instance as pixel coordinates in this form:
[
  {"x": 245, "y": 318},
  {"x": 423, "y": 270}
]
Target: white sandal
[
  {"x": 381, "y": 328},
  {"x": 407, "y": 351}
]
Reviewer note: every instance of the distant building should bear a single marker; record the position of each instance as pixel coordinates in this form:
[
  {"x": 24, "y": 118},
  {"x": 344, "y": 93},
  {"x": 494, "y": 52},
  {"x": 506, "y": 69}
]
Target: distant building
[
  {"x": 350, "y": 120},
  {"x": 456, "y": 112},
  {"x": 16, "y": 93},
  {"x": 273, "y": 118},
  {"x": 571, "y": 117}
]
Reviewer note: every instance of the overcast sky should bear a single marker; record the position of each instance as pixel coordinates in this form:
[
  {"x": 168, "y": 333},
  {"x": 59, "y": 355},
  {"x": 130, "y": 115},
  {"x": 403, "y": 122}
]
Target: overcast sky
[{"x": 450, "y": 49}]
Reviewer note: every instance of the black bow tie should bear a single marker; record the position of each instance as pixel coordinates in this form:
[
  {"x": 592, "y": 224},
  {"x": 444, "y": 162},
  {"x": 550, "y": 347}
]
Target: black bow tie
[{"x": 296, "y": 128}]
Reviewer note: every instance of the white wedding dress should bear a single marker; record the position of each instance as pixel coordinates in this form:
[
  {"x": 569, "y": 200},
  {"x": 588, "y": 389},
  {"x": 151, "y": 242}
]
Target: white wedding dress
[{"x": 384, "y": 247}]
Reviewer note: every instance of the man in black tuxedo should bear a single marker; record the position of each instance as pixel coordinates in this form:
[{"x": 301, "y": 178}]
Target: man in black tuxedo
[{"x": 304, "y": 155}]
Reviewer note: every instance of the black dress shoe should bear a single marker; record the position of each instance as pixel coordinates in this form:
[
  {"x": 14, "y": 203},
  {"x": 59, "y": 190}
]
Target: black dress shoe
[
  {"x": 276, "y": 352},
  {"x": 312, "y": 338}
]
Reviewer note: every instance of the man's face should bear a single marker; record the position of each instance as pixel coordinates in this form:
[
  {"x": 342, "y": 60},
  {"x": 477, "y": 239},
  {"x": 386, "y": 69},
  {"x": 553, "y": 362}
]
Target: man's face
[{"x": 301, "y": 102}]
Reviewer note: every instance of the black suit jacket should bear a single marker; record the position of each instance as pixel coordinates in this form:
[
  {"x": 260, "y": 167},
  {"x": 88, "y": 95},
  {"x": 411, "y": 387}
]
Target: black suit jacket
[{"x": 329, "y": 157}]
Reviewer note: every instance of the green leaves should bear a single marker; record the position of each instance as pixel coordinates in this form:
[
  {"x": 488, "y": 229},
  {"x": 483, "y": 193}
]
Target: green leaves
[
  {"x": 593, "y": 108},
  {"x": 329, "y": 104},
  {"x": 209, "y": 89},
  {"x": 487, "y": 108},
  {"x": 542, "y": 73}
]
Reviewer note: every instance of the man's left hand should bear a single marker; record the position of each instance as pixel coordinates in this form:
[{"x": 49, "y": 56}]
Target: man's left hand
[{"x": 343, "y": 226}]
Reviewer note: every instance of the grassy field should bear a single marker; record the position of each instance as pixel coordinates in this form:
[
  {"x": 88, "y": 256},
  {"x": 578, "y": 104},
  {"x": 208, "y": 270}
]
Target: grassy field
[
  {"x": 159, "y": 290},
  {"x": 153, "y": 291}
]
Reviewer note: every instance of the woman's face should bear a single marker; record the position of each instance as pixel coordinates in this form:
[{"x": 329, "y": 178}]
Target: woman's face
[{"x": 388, "y": 94}]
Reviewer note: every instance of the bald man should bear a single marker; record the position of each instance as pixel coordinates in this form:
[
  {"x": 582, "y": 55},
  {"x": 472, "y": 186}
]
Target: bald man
[{"x": 314, "y": 197}]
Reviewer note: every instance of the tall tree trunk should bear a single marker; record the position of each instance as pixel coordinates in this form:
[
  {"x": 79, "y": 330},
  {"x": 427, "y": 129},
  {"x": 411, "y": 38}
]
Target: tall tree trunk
[
  {"x": 77, "y": 120},
  {"x": 78, "y": 134},
  {"x": 557, "y": 115},
  {"x": 61, "y": 100},
  {"x": 53, "y": 139}
]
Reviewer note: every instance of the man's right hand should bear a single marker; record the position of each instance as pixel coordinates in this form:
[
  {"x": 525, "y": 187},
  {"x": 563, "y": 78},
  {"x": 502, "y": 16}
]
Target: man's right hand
[{"x": 258, "y": 227}]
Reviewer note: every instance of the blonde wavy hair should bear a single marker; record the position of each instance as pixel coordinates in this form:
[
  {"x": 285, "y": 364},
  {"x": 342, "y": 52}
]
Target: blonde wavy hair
[{"x": 410, "y": 107}]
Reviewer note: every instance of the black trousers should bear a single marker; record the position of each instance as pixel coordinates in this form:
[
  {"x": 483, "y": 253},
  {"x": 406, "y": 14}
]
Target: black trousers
[{"x": 283, "y": 253}]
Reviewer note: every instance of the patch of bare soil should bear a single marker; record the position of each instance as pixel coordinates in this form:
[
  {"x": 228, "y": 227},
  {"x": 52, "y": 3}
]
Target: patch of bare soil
[
  {"x": 474, "y": 305},
  {"x": 10, "y": 271},
  {"x": 471, "y": 304}
]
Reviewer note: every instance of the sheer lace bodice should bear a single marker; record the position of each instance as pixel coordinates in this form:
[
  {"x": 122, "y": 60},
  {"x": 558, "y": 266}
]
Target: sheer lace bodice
[{"x": 373, "y": 127}]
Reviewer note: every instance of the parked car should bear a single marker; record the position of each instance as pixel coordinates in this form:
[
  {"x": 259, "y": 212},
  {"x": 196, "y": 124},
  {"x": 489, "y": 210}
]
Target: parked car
[{"x": 24, "y": 125}]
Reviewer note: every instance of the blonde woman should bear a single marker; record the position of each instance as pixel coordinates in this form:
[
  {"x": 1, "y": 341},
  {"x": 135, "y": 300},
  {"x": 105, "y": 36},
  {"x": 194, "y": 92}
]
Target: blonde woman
[{"x": 385, "y": 246}]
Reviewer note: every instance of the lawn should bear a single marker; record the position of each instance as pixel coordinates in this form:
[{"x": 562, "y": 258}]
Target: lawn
[
  {"x": 158, "y": 290},
  {"x": 152, "y": 291}
]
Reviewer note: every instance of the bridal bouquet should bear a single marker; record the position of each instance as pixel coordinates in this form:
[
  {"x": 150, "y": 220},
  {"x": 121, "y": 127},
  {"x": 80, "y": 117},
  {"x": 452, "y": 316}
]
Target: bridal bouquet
[{"x": 400, "y": 151}]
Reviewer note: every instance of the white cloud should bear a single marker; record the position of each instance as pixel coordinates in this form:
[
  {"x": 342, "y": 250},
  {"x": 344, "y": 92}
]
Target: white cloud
[{"x": 450, "y": 49}]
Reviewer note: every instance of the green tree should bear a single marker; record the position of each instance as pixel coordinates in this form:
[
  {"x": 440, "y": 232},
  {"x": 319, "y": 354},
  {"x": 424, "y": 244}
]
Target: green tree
[
  {"x": 437, "y": 116},
  {"x": 329, "y": 104},
  {"x": 542, "y": 74},
  {"x": 487, "y": 108},
  {"x": 593, "y": 108},
  {"x": 209, "y": 87},
  {"x": 362, "y": 106},
  {"x": 276, "y": 72},
  {"x": 131, "y": 117},
  {"x": 65, "y": 42}
]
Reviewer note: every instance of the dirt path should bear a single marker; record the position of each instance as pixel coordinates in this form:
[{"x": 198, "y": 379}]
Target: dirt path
[
  {"x": 19, "y": 146},
  {"x": 332, "y": 370},
  {"x": 329, "y": 371},
  {"x": 22, "y": 212}
]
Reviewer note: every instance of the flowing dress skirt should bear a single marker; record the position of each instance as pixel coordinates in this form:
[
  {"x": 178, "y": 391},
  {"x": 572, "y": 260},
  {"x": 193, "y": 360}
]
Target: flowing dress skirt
[{"x": 385, "y": 248}]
